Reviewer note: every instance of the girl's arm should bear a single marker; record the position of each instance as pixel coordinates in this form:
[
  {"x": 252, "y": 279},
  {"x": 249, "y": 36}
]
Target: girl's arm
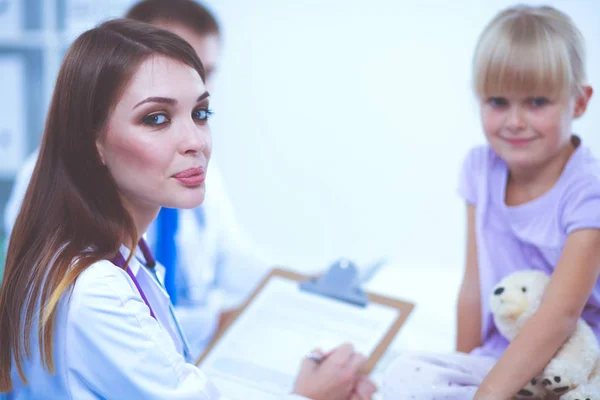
[
  {"x": 566, "y": 295},
  {"x": 469, "y": 297}
]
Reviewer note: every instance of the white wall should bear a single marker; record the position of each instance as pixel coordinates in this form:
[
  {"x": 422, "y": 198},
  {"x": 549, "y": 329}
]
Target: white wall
[{"x": 341, "y": 124}]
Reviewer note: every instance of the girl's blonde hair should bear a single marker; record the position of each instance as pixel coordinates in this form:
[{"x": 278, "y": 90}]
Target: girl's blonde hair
[{"x": 529, "y": 50}]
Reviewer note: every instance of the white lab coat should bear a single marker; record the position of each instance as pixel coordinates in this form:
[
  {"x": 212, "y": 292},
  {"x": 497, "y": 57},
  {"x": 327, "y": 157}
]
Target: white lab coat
[
  {"x": 108, "y": 346},
  {"x": 218, "y": 266}
]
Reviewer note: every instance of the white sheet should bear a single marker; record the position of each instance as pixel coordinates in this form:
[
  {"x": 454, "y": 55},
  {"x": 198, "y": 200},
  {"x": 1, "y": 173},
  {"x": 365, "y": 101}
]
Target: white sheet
[{"x": 260, "y": 354}]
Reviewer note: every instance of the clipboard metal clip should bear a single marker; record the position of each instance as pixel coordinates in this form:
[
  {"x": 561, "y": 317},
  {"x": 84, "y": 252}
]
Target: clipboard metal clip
[{"x": 339, "y": 282}]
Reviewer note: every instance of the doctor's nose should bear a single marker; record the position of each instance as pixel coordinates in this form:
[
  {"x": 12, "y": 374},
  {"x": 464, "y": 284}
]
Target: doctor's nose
[{"x": 194, "y": 138}]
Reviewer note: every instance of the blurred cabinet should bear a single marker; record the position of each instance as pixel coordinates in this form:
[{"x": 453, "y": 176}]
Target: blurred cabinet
[
  {"x": 34, "y": 35},
  {"x": 12, "y": 125},
  {"x": 11, "y": 16}
]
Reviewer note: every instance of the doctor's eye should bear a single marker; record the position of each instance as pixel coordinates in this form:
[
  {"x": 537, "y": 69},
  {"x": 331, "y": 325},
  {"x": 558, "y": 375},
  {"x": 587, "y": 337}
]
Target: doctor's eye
[
  {"x": 202, "y": 114},
  {"x": 155, "y": 119},
  {"x": 524, "y": 289}
]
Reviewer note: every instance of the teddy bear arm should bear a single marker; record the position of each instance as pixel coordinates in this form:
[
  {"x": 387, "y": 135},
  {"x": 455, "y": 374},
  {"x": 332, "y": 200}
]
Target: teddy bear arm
[
  {"x": 533, "y": 390},
  {"x": 589, "y": 391},
  {"x": 574, "y": 363}
]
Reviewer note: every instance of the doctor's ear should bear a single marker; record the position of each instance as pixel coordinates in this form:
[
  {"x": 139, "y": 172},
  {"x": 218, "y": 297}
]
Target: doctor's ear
[{"x": 100, "y": 149}]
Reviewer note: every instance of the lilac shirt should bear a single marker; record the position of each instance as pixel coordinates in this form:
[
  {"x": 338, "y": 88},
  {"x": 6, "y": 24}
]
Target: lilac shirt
[{"x": 531, "y": 235}]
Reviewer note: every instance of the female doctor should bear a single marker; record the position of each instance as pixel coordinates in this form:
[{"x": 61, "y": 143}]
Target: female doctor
[{"x": 82, "y": 313}]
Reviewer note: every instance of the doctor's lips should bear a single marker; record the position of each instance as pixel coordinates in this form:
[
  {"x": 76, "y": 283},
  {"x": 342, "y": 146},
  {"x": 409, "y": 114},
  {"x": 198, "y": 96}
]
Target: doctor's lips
[{"x": 191, "y": 177}]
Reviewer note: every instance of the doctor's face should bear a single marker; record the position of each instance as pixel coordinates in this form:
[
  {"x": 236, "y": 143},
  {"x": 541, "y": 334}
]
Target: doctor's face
[{"x": 158, "y": 143}]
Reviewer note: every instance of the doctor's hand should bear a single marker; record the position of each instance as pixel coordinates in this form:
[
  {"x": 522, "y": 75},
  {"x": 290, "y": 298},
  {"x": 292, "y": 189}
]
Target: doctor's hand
[
  {"x": 335, "y": 378},
  {"x": 364, "y": 390}
]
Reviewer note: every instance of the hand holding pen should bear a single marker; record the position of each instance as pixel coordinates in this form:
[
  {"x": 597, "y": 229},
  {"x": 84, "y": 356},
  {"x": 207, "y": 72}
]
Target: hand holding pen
[{"x": 334, "y": 376}]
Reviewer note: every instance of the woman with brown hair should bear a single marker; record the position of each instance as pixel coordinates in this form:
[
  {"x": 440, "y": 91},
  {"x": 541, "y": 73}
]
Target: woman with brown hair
[
  {"x": 82, "y": 312},
  {"x": 204, "y": 286}
]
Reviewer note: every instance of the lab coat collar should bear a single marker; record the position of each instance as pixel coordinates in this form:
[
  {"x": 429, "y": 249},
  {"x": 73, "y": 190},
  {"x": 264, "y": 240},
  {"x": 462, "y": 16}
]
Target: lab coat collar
[
  {"x": 136, "y": 263},
  {"x": 138, "y": 260}
]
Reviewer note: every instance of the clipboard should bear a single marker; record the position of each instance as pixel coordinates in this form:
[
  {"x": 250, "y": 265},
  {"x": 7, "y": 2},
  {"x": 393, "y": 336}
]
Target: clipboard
[{"x": 339, "y": 284}]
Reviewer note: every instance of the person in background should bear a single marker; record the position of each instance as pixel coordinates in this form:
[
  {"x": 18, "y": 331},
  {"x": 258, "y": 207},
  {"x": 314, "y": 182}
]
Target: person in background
[
  {"x": 210, "y": 264},
  {"x": 82, "y": 311},
  {"x": 533, "y": 202}
]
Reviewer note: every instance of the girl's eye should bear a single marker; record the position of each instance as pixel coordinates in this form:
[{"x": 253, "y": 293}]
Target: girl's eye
[
  {"x": 524, "y": 289},
  {"x": 498, "y": 102},
  {"x": 539, "y": 101},
  {"x": 202, "y": 114},
  {"x": 155, "y": 119}
]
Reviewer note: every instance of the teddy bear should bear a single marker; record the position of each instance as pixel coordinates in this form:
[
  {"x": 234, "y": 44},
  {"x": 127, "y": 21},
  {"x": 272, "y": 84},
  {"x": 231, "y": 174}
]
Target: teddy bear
[
  {"x": 574, "y": 372},
  {"x": 588, "y": 391}
]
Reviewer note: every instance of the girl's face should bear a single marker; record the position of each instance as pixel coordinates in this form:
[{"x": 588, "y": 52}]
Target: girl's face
[
  {"x": 158, "y": 143},
  {"x": 528, "y": 131}
]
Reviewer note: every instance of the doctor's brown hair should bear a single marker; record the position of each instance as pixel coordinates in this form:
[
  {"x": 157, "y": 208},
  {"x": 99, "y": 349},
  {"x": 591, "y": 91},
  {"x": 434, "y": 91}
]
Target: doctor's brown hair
[{"x": 72, "y": 215}]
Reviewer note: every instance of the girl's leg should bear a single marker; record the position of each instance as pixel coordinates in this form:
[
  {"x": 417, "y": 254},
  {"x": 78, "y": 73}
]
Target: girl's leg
[{"x": 422, "y": 376}]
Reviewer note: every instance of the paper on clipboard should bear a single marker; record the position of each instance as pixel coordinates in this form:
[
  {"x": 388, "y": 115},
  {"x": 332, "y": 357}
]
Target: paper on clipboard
[{"x": 259, "y": 355}]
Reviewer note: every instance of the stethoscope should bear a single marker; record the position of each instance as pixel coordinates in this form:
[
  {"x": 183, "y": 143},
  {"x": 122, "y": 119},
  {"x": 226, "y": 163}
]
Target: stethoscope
[{"x": 150, "y": 263}]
